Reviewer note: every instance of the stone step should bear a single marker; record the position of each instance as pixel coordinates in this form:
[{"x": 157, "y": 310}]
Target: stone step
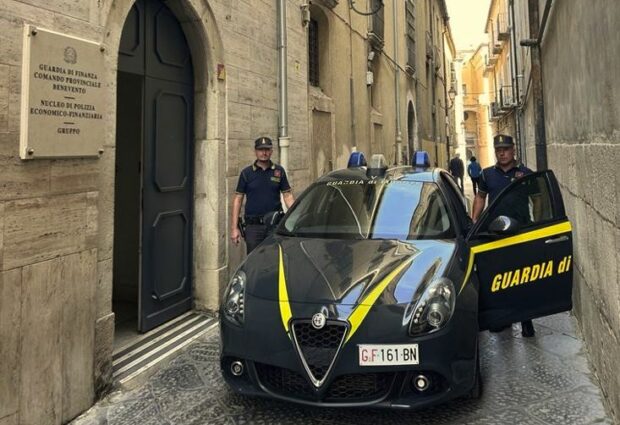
[{"x": 135, "y": 362}]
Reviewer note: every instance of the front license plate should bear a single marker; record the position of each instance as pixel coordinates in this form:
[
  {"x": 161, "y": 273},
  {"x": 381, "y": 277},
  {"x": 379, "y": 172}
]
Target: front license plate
[{"x": 388, "y": 355}]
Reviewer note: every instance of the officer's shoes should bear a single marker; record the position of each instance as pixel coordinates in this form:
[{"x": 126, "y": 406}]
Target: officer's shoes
[{"x": 527, "y": 329}]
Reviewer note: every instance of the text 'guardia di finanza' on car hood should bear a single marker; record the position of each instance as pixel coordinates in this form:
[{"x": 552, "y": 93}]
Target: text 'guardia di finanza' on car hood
[{"x": 328, "y": 271}]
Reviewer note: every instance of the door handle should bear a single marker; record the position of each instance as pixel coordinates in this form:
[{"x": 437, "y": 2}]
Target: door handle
[{"x": 557, "y": 240}]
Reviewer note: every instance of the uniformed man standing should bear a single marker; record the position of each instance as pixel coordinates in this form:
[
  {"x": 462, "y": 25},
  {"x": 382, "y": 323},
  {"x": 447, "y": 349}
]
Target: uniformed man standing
[
  {"x": 493, "y": 180},
  {"x": 262, "y": 182}
]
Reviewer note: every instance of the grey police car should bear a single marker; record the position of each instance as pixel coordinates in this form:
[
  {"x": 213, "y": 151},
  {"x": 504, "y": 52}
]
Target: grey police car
[{"x": 374, "y": 286}]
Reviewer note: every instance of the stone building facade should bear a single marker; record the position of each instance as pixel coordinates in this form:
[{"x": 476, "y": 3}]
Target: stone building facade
[
  {"x": 61, "y": 220},
  {"x": 357, "y": 65},
  {"x": 581, "y": 93}
]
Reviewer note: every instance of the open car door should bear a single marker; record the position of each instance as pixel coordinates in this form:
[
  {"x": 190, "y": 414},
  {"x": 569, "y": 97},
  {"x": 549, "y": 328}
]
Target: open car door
[{"x": 521, "y": 249}]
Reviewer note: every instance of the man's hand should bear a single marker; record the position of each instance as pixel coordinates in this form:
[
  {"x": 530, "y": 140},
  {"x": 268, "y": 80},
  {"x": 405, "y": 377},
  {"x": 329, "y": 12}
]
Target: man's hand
[
  {"x": 288, "y": 198},
  {"x": 235, "y": 236},
  {"x": 479, "y": 201},
  {"x": 235, "y": 233}
]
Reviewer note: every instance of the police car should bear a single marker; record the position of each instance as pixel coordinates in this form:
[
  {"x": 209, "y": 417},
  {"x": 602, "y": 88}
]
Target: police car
[{"x": 373, "y": 288}]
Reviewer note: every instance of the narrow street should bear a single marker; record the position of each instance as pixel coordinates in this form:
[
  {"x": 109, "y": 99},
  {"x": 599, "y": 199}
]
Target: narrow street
[{"x": 540, "y": 380}]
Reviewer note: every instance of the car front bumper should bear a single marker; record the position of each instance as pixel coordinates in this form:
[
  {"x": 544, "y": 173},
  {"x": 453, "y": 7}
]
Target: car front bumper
[{"x": 272, "y": 368}]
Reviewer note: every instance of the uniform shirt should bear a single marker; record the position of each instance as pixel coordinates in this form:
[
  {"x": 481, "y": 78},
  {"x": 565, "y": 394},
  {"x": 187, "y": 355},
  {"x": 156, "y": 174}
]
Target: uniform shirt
[
  {"x": 516, "y": 205},
  {"x": 262, "y": 188}
]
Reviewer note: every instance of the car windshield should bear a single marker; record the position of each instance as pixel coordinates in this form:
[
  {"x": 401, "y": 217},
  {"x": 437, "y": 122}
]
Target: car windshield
[{"x": 370, "y": 209}]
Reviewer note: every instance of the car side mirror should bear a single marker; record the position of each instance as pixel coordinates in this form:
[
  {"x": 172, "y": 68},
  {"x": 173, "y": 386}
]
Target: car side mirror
[{"x": 504, "y": 225}]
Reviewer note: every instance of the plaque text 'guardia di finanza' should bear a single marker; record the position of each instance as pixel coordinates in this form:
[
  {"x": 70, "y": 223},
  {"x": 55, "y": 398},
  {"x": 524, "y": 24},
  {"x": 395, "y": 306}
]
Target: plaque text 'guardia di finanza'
[{"x": 63, "y": 99}]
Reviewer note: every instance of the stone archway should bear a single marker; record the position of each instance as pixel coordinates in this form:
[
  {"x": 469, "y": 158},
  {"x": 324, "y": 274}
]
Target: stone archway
[{"x": 412, "y": 127}]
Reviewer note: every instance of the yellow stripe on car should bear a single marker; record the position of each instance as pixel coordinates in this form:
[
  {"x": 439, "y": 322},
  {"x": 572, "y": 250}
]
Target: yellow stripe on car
[
  {"x": 360, "y": 312},
  {"x": 285, "y": 306},
  {"x": 545, "y": 232}
]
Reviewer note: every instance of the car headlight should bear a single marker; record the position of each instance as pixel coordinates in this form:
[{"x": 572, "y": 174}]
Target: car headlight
[
  {"x": 234, "y": 301},
  {"x": 433, "y": 307}
]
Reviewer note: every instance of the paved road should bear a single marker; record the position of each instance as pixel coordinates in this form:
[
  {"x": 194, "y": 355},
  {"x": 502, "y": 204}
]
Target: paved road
[{"x": 540, "y": 380}]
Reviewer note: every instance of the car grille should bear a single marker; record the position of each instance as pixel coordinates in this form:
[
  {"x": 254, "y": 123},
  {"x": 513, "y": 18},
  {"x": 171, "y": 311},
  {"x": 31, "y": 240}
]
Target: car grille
[
  {"x": 345, "y": 388},
  {"x": 361, "y": 386},
  {"x": 319, "y": 347},
  {"x": 284, "y": 381}
]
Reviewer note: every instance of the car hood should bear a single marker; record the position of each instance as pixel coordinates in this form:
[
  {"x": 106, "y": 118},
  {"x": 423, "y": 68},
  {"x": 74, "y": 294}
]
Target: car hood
[{"x": 343, "y": 272}]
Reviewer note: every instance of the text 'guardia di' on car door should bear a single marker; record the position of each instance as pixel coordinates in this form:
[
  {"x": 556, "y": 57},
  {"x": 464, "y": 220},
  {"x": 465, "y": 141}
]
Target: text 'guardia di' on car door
[{"x": 525, "y": 268}]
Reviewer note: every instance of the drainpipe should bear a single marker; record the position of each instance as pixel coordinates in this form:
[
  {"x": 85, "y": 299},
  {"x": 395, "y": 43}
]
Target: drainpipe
[
  {"x": 399, "y": 135},
  {"x": 536, "y": 82},
  {"x": 433, "y": 87},
  {"x": 283, "y": 137},
  {"x": 445, "y": 87},
  {"x": 515, "y": 79}
]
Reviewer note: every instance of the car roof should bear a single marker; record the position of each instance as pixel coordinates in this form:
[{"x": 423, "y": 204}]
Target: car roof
[{"x": 403, "y": 173}]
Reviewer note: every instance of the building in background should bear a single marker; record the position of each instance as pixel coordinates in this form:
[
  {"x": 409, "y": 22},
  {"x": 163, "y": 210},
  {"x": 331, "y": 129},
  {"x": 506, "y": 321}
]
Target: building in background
[
  {"x": 378, "y": 83},
  {"x": 475, "y": 125},
  {"x": 136, "y": 234}
]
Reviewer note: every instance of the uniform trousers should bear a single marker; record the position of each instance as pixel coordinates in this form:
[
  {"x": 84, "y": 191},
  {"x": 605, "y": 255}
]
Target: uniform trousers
[{"x": 254, "y": 235}]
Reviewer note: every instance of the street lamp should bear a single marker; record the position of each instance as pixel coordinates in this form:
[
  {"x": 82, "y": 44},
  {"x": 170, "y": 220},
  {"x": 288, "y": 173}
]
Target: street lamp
[{"x": 452, "y": 96}]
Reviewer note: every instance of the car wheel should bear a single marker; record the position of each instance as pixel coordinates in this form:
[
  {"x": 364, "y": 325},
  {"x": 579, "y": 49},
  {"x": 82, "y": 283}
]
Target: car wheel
[{"x": 476, "y": 391}]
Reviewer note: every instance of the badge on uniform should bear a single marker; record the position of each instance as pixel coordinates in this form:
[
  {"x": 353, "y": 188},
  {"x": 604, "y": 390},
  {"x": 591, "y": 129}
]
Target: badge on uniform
[
  {"x": 519, "y": 174},
  {"x": 277, "y": 173}
]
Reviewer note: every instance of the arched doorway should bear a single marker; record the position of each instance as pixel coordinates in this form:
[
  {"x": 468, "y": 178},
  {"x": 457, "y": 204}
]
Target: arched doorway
[{"x": 154, "y": 170}]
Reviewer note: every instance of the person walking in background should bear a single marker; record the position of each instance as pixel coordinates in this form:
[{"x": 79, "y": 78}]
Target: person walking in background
[
  {"x": 262, "y": 183},
  {"x": 457, "y": 169},
  {"x": 474, "y": 170}
]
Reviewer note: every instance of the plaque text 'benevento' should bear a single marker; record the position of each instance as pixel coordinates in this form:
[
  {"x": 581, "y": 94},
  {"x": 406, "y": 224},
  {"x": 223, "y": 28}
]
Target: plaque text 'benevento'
[{"x": 63, "y": 102}]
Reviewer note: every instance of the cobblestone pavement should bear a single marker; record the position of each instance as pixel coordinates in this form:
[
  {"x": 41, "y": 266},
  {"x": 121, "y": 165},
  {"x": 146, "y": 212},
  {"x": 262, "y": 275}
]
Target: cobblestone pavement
[{"x": 540, "y": 380}]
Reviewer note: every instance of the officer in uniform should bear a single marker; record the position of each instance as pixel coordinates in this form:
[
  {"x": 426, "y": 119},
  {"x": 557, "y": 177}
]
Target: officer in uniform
[
  {"x": 493, "y": 180},
  {"x": 262, "y": 182}
]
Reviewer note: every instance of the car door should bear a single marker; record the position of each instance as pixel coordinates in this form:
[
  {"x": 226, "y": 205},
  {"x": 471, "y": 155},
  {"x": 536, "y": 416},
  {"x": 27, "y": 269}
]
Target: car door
[{"x": 523, "y": 262}]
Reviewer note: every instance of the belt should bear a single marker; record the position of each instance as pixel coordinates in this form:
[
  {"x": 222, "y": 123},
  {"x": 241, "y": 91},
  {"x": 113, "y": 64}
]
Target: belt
[{"x": 254, "y": 220}]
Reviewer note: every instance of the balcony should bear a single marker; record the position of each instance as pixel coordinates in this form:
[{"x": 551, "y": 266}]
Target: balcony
[
  {"x": 495, "y": 46},
  {"x": 503, "y": 29}
]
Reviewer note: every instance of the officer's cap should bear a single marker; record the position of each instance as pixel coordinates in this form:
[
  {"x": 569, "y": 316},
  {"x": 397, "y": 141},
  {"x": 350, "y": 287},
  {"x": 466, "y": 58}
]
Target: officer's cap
[
  {"x": 503, "y": 141},
  {"x": 263, "y": 143}
]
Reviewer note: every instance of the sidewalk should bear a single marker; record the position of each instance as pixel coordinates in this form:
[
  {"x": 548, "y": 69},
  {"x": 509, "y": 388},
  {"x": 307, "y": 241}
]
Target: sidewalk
[{"x": 538, "y": 381}]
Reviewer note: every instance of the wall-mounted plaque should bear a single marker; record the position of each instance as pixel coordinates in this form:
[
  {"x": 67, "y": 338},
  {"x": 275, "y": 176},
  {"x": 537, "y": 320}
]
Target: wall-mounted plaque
[{"x": 63, "y": 102}]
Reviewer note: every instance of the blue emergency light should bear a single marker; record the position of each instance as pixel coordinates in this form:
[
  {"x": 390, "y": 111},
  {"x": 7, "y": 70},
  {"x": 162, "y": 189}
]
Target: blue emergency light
[
  {"x": 357, "y": 159},
  {"x": 420, "y": 159},
  {"x": 377, "y": 167}
]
